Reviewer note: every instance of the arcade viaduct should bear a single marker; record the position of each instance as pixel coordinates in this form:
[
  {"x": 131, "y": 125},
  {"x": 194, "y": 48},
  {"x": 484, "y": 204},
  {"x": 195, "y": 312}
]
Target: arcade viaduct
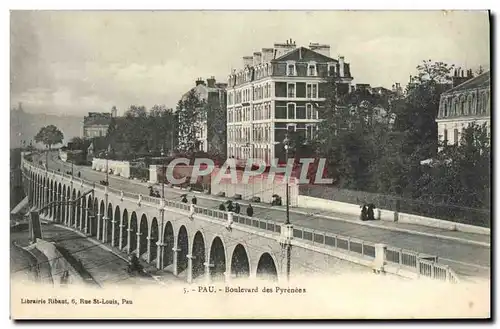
[{"x": 197, "y": 243}]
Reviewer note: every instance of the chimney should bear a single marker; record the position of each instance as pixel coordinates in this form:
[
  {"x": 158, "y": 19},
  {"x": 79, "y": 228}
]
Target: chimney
[
  {"x": 211, "y": 82},
  {"x": 257, "y": 58},
  {"x": 247, "y": 61},
  {"x": 322, "y": 49},
  {"x": 284, "y": 48},
  {"x": 199, "y": 81},
  {"x": 341, "y": 66},
  {"x": 267, "y": 54}
]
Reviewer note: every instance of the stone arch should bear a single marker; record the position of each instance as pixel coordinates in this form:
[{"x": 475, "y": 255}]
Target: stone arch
[
  {"x": 73, "y": 208},
  {"x": 109, "y": 224},
  {"x": 168, "y": 241},
  {"x": 95, "y": 219},
  {"x": 266, "y": 268},
  {"x": 154, "y": 236},
  {"x": 68, "y": 207},
  {"x": 59, "y": 199},
  {"x": 116, "y": 227},
  {"x": 198, "y": 254},
  {"x": 217, "y": 260},
  {"x": 63, "y": 207},
  {"x": 124, "y": 229},
  {"x": 51, "y": 191},
  {"x": 240, "y": 264},
  {"x": 102, "y": 210},
  {"x": 182, "y": 249},
  {"x": 83, "y": 219},
  {"x": 142, "y": 238},
  {"x": 133, "y": 232},
  {"x": 78, "y": 209}
]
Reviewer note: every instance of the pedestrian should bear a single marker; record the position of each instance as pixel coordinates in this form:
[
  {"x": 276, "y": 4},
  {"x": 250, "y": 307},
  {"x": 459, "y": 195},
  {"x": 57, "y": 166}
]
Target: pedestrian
[
  {"x": 230, "y": 206},
  {"x": 249, "y": 210},
  {"x": 363, "y": 216},
  {"x": 371, "y": 215},
  {"x": 237, "y": 208},
  {"x": 79, "y": 174},
  {"x": 194, "y": 200},
  {"x": 222, "y": 207},
  {"x": 184, "y": 199}
]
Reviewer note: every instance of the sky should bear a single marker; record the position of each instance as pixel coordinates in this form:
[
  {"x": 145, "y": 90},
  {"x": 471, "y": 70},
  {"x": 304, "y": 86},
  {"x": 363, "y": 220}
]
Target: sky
[{"x": 74, "y": 62}]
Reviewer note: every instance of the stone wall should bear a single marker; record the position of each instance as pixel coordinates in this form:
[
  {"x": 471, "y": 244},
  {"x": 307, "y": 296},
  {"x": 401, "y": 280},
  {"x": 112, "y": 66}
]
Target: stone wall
[
  {"x": 388, "y": 215},
  {"x": 59, "y": 266}
]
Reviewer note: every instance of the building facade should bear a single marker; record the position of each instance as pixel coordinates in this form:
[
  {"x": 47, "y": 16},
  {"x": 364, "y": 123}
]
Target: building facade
[
  {"x": 463, "y": 104},
  {"x": 211, "y": 127},
  {"x": 278, "y": 90},
  {"x": 96, "y": 123}
]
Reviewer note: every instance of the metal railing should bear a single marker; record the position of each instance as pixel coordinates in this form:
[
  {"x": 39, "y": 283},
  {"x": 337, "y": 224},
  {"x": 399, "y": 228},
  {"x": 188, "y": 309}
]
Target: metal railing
[{"x": 424, "y": 265}]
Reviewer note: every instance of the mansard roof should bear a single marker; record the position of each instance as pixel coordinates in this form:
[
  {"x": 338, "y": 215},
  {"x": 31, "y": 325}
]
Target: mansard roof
[
  {"x": 481, "y": 81},
  {"x": 303, "y": 54}
]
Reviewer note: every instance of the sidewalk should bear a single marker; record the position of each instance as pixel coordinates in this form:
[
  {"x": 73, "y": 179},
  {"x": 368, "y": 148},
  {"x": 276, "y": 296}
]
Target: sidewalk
[{"x": 212, "y": 201}]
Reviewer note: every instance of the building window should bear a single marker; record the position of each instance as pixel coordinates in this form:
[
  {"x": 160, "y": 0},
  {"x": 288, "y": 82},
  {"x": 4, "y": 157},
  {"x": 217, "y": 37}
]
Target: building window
[
  {"x": 291, "y": 128},
  {"x": 291, "y": 90},
  {"x": 309, "y": 111},
  {"x": 311, "y": 70},
  {"x": 309, "y": 132},
  {"x": 455, "y": 136},
  {"x": 291, "y": 110},
  {"x": 312, "y": 90},
  {"x": 290, "y": 69},
  {"x": 445, "y": 136},
  {"x": 331, "y": 70}
]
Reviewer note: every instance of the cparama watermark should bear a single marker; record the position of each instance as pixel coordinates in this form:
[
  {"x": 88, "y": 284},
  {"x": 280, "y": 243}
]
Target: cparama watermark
[{"x": 253, "y": 168}]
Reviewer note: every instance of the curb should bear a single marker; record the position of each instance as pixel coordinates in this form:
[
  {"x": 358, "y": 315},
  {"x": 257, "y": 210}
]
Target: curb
[{"x": 395, "y": 229}]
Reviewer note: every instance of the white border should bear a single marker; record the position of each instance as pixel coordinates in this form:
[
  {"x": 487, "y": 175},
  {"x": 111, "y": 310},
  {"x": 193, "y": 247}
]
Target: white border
[{"x": 186, "y": 4}]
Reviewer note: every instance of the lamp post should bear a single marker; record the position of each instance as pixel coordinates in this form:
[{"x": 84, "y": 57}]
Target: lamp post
[
  {"x": 163, "y": 174},
  {"x": 286, "y": 142},
  {"x": 107, "y": 169},
  {"x": 47, "y": 157}
]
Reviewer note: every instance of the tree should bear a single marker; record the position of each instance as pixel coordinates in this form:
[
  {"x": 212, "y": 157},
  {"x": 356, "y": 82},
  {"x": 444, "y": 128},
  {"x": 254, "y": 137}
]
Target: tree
[
  {"x": 190, "y": 111},
  {"x": 416, "y": 116},
  {"x": 49, "y": 135}
]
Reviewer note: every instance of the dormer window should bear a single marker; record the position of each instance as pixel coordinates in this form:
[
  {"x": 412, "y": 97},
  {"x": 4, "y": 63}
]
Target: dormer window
[
  {"x": 290, "y": 68},
  {"x": 311, "y": 70},
  {"x": 331, "y": 69}
]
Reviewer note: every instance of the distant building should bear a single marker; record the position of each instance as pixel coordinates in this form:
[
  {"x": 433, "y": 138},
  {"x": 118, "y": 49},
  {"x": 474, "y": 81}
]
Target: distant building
[
  {"x": 211, "y": 130},
  {"x": 278, "y": 91},
  {"x": 467, "y": 102},
  {"x": 96, "y": 123}
]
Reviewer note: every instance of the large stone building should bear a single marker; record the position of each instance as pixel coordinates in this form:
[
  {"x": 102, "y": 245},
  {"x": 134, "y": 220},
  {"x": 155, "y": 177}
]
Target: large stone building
[
  {"x": 463, "y": 104},
  {"x": 96, "y": 123},
  {"x": 278, "y": 89},
  {"x": 211, "y": 129}
]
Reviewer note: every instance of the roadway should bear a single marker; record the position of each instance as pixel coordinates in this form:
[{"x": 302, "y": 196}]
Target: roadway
[
  {"x": 106, "y": 268},
  {"x": 465, "y": 258}
]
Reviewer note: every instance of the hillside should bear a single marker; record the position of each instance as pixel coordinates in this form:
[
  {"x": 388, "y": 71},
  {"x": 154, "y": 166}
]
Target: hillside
[{"x": 24, "y": 126}]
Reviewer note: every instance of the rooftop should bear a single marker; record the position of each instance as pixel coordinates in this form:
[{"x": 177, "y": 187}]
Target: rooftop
[
  {"x": 97, "y": 118},
  {"x": 481, "y": 81}
]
